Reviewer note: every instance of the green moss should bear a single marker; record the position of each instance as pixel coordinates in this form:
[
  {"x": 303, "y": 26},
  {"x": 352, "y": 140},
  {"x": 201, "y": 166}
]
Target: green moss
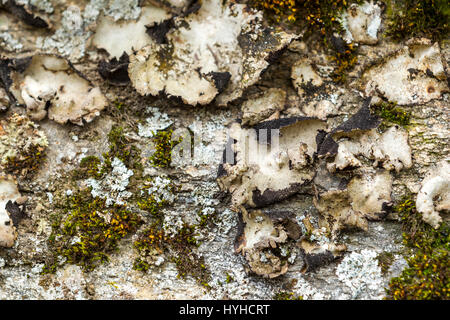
[
  {"x": 428, "y": 273},
  {"x": 229, "y": 278},
  {"x": 413, "y": 18},
  {"x": 178, "y": 248},
  {"x": 385, "y": 260},
  {"x": 87, "y": 230},
  {"x": 283, "y": 295},
  {"x": 319, "y": 17},
  {"x": 391, "y": 114},
  {"x": 141, "y": 265},
  {"x": 90, "y": 167},
  {"x": 163, "y": 145},
  {"x": 27, "y": 162}
]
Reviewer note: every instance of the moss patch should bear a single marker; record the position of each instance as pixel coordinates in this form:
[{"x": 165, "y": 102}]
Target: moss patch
[
  {"x": 428, "y": 273},
  {"x": 413, "y": 18},
  {"x": 318, "y": 17},
  {"x": 27, "y": 163},
  {"x": 164, "y": 145},
  {"x": 391, "y": 114},
  {"x": 180, "y": 249},
  {"x": 87, "y": 230},
  {"x": 283, "y": 295}
]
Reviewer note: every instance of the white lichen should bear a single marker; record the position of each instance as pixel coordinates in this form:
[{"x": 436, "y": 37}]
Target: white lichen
[
  {"x": 8, "y": 192},
  {"x": 117, "y": 37},
  {"x": 50, "y": 85},
  {"x": 200, "y": 52},
  {"x": 361, "y": 273},
  {"x": 434, "y": 194},
  {"x": 361, "y": 23},
  {"x": 413, "y": 75},
  {"x": 158, "y": 121},
  {"x": 8, "y": 43},
  {"x": 113, "y": 187}
]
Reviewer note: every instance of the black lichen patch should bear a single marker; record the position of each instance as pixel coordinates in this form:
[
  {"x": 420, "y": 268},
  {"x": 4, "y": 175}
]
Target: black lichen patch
[
  {"x": 413, "y": 18},
  {"x": 220, "y": 80},
  {"x": 15, "y": 212},
  {"x": 6, "y": 67},
  {"x": 159, "y": 31},
  {"x": 115, "y": 71},
  {"x": 270, "y": 196},
  {"x": 428, "y": 272},
  {"x": 25, "y": 14},
  {"x": 314, "y": 261},
  {"x": 362, "y": 120}
]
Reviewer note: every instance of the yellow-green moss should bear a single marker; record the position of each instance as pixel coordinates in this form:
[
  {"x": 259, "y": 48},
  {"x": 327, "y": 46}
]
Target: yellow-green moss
[
  {"x": 283, "y": 295},
  {"x": 87, "y": 230},
  {"x": 179, "y": 249},
  {"x": 27, "y": 162},
  {"x": 428, "y": 272},
  {"x": 391, "y": 114},
  {"x": 319, "y": 17},
  {"x": 413, "y": 18},
  {"x": 385, "y": 260},
  {"x": 163, "y": 145}
]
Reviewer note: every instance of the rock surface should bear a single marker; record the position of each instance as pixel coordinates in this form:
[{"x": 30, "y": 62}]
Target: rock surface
[{"x": 285, "y": 177}]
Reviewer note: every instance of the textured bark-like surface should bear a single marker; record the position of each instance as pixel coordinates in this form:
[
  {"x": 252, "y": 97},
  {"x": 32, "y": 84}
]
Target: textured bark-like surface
[{"x": 95, "y": 95}]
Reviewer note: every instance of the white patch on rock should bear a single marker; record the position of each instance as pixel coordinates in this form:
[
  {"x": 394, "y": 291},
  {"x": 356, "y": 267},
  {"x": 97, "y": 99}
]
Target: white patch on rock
[
  {"x": 42, "y": 5},
  {"x": 304, "y": 75},
  {"x": 113, "y": 186},
  {"x": 50, "y": 80},
  {"x": 337, "y": 213},
  {"x": 203, "y": 49},
  {"x": 390, "y": 148},
  {"x": 258, "y": 237},
  {"x": 70, "y": 39},
  {"x": 434, "y": 195},
  {"x": 369, "y": 192},
  {"x": 117, "y": 37},
  {"x": 413, "y": 75},
  {"x": 159, "y": 121},
  {"x": 8, "y": 192},
  {"x": 277, "y": 167},
  {"x": 8, "y": 43},
  {"x": 361, "y": 273},
  {"x": 361, "y": 23}
]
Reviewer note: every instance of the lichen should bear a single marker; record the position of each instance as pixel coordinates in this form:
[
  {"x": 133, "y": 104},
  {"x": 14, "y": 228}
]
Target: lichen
[
  {"x": 319, "y": 17},
  {"x": 22, "y": 146}
]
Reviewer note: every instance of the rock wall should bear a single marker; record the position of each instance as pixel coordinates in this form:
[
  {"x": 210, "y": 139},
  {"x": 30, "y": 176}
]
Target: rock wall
[{"x": 192, "y": 150}]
